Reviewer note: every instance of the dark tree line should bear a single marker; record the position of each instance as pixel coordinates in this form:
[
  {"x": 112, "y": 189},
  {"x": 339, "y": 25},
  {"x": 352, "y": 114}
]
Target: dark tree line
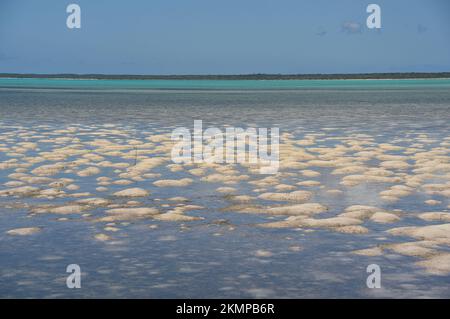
[{"x": 409, "y": 75}]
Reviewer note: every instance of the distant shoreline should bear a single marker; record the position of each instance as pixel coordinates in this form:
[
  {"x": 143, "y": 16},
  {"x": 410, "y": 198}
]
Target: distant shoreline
[{"x": 355, "y": 76}]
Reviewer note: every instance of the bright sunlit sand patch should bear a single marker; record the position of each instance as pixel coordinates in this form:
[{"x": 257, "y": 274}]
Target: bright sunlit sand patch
[
  {"x": 384, "y": 218},
  {"x": 132, "y": 192},
  {"x": 435, "y": 216},
  {"x": 295, "y": 196},
  {"x": 124, "y": 214},
  {"x": 102, "y": 237},
  {"x": 173, "y": 183},
  {"x": 23, "y": 231},
  {"x": 437, "y": 265}
]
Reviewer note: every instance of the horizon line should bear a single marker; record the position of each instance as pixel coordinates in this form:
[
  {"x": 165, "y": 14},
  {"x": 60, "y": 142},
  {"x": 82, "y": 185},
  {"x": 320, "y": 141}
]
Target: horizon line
[{"x": 254, "y": 76}]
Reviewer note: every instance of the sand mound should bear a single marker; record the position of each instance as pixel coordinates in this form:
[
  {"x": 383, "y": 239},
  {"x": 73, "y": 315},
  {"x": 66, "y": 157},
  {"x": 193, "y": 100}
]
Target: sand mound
[
  {"x": 297, "y": 196},
  {"x": 178, "y": 199},
  {"x": 173, "y": 182},
  {"x": 102, "y": 237},
  {"x": 352, "y": 229},
  {"x": 132, "y": 192},
  {"x": 341, "y": 224},
  {"x": 89, "y": 171},
  {"x": 176, "y": 217},
  {"x": 330, "y": 222},
  {"x": 300, "y": 209},
  {"x": 437, "y": 265},
  {"x": 93, "y": 201},
  {"x": 384, "y": 218},
  {"x": 23, "y": 231},
  {"x": 371, "y": 252},
  {"x": 118, "y": 214},
  {"x": 70, "y": 209},
  {"x": 263, "y": 253},
  {"x": 20, "y": 191},
  {"x": 435, "y": 216},
  {"x": 414, "y": 249},
  {"x": 226, "y": 190},
  {"x": 439, "y": 233}
]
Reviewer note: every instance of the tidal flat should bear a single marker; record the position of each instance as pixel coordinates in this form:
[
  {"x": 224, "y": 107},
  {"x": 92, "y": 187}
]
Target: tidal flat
[{"x": 87, "y": 178}]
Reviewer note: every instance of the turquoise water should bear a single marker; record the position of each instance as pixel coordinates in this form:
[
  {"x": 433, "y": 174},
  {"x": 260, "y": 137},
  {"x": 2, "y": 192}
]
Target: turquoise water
[{"x": 219, "y": 84}]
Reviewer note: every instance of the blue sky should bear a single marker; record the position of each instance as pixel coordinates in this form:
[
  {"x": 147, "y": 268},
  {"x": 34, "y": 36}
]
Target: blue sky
[{"x": 224, "y": 37}]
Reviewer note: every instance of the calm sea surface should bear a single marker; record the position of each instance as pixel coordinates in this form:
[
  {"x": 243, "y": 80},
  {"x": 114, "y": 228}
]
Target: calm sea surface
[{"x": 225, "y": 253}]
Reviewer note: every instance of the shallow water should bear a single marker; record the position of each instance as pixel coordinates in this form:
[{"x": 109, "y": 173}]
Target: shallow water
[{"x": 227, "y": 253}]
